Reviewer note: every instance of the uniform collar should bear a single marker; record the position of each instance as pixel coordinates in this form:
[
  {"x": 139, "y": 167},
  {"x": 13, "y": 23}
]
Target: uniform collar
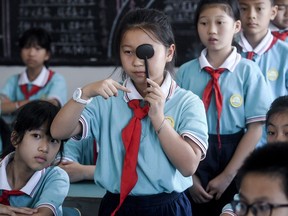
[
  {"x": 30, "y": 186},
  {"x": 168, "y": 88},
  {"x": 230, "y": 63},
  {"x": 261, "y": 48},
  {"x": 40, "y": 81}
]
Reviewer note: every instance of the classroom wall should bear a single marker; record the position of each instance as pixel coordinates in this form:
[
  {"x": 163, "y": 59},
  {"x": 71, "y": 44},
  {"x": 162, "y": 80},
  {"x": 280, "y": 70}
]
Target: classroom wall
[{"x": 75, "y": 76}]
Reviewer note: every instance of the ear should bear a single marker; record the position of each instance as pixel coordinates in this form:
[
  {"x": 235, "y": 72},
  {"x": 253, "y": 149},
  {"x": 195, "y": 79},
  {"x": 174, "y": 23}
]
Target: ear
[
  {"x": 274, "y": 11},
  {"x": 14, "y": 138},
  {"x": 237, "y": 26},
  {"x": 170, "y": 53},
  {"x": 47, "y": 57}
]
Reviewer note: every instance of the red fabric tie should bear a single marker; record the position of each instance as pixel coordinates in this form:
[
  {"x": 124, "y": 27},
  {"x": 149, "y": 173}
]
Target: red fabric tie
[
  {"x": 213, "y": 84},
  {"x": 4, "y": 198},
  {"x": 280, "y": 35},
  {"x": 34, "y": 89},
  {"x": 131, "y": 135},
  {"x": 250, "y": 55}
]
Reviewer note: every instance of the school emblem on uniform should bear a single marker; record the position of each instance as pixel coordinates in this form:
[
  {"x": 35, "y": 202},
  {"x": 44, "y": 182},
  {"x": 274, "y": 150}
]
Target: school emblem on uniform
[
  {"x": 236, "y": 100},
  {"x": 272, "y": 74},
  {"x": 170, "y": 120}
]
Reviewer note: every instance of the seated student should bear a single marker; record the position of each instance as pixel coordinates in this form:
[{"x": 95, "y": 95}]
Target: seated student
[
  {"x": 28, "y": 184},
  {"x": 279, "y": 26},
  {"x": 5, "y": 133},
  {"x": 79, "y": 159},
  {"x": 276, "y": 129},
  {"x": 36, "y": 81},
  {"x": 264, "y": 182}
]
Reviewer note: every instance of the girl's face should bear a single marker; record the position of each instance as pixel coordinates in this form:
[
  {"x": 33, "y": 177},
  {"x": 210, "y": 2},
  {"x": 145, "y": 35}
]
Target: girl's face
[
  {"x": 277, "y": 128},
  {"x": 34, "y": 56},
  {"x": 281, "y": 20},
  {"x": 269, "y": 189},
  {"x": 256, "y": 16},
  {"x": 216, "y": 28},
  {"x": 37, "y": 150},
  {"x": 135, "y": 67}
]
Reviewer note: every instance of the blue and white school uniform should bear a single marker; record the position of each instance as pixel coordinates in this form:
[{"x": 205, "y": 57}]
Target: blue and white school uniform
[
  {"x": 82, "y": 151},
  {"x": 271, "y": 56},
  {"x": 46, "y": 188},
  {"x": 104, "y": 120},
  {"x": 243, "y": 103},
  {"x": 51, "y": 88}
]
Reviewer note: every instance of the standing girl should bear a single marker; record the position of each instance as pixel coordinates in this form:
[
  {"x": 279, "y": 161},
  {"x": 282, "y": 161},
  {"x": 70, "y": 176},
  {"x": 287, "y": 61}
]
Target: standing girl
[
  {"x": 145, "y": 170},
  {"x": 28, "y": 184},
  {"x": 36, "y": 81},
  {"x": 234, "y": 113}
]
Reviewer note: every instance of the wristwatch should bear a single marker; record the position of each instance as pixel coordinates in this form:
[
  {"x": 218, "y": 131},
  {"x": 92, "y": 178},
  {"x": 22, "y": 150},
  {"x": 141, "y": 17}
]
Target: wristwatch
[{"x": 77, "y": 97}]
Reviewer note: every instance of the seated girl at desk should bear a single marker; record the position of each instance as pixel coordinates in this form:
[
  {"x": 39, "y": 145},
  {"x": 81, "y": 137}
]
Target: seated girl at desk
[{"x": 28, "y": 184}]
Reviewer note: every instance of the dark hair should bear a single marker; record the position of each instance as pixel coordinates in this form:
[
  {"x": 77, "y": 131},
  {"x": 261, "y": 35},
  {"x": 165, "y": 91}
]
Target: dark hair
[
  {"x": 36, "y": 36},
  {"x": 231, "y": 7},
  {"x": 270, "y": 160},
  {"x": 32, "y": 116},
  {"x": 149, "y": 20},
  {"x": 279, "y": 105},
  {"x": 5, "y": 133}
]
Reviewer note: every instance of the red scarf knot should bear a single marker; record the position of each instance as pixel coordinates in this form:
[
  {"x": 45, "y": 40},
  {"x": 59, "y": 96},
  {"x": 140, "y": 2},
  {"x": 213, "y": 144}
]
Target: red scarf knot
[{"x": 4, "y": 198}]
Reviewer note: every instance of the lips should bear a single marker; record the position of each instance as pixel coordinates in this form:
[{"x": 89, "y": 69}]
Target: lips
[{"x": 40, "y": 159}]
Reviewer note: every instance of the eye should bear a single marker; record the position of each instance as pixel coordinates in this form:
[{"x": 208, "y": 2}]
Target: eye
[
  {"x": 127, "y": 52},
  {"x": 243, "y": 8},
  {"x": 262, "y": 207},
  {"x": 36, "y": 135},
  {"x": 270, "y": 133},
  {"x": 54, "y": 141}
]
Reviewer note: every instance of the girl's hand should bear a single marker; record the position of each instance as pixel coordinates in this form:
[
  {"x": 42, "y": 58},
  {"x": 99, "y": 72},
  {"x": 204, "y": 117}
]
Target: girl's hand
[
  {"x": 218, "y": 185},
  {"x": 198, "y": 193},
  {"x": 156, "y": 99},
  {"x": 9, "y": 210},
  {"x": 106, "y": 88}
]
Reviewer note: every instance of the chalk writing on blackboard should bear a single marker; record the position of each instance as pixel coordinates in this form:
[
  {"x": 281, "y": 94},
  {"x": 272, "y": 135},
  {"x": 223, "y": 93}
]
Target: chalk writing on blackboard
[{"x": 83, "y": 30}]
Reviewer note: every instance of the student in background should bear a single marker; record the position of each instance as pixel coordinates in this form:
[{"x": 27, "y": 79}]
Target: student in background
[
  {"x": 28, "y": 184},
  {"x": 258, "y": 44},
  {"x": 151, "y": 178},
  {"x": 235, "y": 116},
  {"x": 36, "y": 81},
  {"x": 279, "y": 25},
  {"x": 79, "y": 159},
  {"x": 276, "y": 130},
  {"x": 263, "y": 182}
]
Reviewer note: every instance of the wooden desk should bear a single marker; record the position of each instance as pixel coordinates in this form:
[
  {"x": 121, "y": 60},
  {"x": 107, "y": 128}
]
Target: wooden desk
[{"x": 86, "y": 196}]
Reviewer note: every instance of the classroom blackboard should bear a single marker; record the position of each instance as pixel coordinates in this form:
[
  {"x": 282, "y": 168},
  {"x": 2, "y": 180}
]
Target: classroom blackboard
[{"x": 83, "y": 30}]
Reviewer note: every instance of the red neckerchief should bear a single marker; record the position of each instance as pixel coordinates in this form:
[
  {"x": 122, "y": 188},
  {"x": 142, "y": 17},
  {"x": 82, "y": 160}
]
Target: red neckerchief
[{"x": 34, "y": 89}]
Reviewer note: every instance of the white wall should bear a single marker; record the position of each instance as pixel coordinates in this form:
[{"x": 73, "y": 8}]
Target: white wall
[{"x": 75, "y": 76}]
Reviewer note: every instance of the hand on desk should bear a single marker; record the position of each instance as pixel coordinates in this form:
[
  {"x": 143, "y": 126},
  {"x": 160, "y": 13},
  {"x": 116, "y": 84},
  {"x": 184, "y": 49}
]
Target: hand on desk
[
  {"x": 14, "y": 211},
  {"x": 78, "y": 172}
]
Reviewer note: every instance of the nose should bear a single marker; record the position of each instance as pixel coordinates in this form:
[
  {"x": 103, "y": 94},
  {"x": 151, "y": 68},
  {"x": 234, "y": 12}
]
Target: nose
[
  {"x": 32, "y": 51},
  {"x": 43, "y": 147},
  {"x": 212, "y": 29},
  {"x": 251, "y": 13},
  {"x": 137, "y": 61}
]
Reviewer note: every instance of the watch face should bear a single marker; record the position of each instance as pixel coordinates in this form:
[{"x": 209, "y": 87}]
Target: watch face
[{"x": 78, "y": 93}]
